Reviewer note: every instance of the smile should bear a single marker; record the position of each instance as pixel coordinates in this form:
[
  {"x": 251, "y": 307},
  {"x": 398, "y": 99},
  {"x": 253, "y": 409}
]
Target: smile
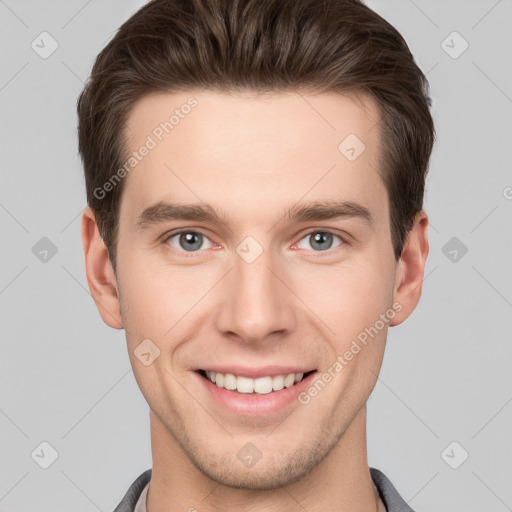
[{"x": 261, "y": 385}]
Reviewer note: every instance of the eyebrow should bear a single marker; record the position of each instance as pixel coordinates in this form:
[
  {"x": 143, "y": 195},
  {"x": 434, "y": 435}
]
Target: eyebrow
[{"x": 316, "y": 211}]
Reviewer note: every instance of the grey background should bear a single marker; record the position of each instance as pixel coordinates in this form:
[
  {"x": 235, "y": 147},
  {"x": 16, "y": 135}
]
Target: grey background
[{"x": 65, "y": 376}]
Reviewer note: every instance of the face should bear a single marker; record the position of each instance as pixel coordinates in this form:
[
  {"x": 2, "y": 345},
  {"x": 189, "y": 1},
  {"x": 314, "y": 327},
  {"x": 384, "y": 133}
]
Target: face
[{"x": 255, "y": 251}]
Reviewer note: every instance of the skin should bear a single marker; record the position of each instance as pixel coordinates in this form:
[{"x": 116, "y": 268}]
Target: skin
[{"x": 251, "y": 157}]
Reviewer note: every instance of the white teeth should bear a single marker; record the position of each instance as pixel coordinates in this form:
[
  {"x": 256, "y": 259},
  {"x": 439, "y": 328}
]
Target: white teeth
[
  {"x": 289, "y": 380},
  {"x": 229, "y": 381},
  {"x": 261, "y": 385},
  {"x": 278, "y": 382},
  {"x": 244, "y": 385}
]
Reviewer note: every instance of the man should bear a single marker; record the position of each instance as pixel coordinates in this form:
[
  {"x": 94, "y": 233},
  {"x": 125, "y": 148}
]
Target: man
[{"x": 255, "y": 175}]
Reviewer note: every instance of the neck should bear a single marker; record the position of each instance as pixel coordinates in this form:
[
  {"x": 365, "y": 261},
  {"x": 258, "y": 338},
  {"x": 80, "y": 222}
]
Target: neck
[{"x": 340, "y": 482}]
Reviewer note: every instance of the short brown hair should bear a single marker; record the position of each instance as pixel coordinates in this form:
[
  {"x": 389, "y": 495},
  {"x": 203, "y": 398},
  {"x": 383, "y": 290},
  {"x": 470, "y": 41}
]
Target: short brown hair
[{"x": 262, "y": 46}]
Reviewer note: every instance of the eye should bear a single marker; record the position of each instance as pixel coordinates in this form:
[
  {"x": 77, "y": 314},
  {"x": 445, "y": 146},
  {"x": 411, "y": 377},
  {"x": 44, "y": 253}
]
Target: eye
[
  {"x": 319, "y": 241},
  {"x": 190, "y": 241}
]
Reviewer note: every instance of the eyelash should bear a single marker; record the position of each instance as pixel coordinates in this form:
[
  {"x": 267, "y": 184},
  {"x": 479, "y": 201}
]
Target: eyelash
[{"x": 192, "y": 254}]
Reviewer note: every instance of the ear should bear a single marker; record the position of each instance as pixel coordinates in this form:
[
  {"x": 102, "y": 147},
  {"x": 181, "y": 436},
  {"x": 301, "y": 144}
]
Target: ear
[
  {"x": 410, "y": 269},
  {"x": 100, "y": 274}
]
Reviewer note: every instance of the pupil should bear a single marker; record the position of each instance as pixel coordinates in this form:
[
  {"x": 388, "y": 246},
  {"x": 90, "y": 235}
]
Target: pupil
[
  {"x": 191, "y": 241},
  {"x": 321, "y": 241}
]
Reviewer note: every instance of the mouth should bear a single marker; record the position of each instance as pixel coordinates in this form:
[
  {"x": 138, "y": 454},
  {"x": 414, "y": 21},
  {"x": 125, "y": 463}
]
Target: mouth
[{"x": 263, "y": 385}]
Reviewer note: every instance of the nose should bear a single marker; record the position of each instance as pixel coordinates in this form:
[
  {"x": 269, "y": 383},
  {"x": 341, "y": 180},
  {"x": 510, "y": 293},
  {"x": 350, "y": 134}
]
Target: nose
[{"x": 256, "y": 305}]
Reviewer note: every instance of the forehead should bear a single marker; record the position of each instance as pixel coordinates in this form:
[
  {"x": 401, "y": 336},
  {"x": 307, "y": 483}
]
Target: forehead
[{"x": 253, "y": 150}]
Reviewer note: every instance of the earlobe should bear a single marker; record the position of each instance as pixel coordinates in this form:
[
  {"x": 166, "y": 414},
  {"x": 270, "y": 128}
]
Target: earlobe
[
  {"x": 100, "y": 275},
  {"x": 411, "y": 268}
]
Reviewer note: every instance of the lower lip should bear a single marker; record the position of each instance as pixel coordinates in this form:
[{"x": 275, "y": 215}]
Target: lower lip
[{"x": 253, "y": 404}]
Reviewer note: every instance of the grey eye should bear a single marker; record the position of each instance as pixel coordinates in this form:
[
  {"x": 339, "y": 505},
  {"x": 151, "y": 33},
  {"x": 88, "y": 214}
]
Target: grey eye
[
  {"x": 319, "y": 240},
  {"x": 189, "y": 241}
]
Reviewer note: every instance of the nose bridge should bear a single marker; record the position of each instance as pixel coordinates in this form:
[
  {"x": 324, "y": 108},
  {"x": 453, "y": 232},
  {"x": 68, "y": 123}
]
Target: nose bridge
[{"x": 255, "y": 303}]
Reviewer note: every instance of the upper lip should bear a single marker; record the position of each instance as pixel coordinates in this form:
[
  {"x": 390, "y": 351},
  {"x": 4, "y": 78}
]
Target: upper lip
[{"x": 253, "y": 372}]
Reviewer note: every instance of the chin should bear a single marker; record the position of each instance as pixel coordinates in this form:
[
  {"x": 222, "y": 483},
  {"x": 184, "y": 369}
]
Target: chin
[
  {"x": 265, "y": 477},
  {"x": 270, "y": 472}
]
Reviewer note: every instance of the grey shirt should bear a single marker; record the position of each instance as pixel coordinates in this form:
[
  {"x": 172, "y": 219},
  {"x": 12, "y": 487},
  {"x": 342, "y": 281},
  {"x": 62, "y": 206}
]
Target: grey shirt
[{"x": 135, "y": 498}]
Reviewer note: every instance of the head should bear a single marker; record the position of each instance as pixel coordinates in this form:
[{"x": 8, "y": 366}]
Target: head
[{"x": 255, "y": 175}]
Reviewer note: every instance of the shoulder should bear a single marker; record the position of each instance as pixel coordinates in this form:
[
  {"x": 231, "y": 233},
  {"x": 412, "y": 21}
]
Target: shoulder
[
  {"x": 129, "y": 501},
  {"x": 389, "y": 495}
]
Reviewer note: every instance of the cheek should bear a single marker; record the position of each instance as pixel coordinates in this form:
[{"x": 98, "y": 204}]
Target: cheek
[
  {"x": 349, "y": 297},
  {"x": 159, "y": 300},
  {"x": 145, "y": 288}
]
